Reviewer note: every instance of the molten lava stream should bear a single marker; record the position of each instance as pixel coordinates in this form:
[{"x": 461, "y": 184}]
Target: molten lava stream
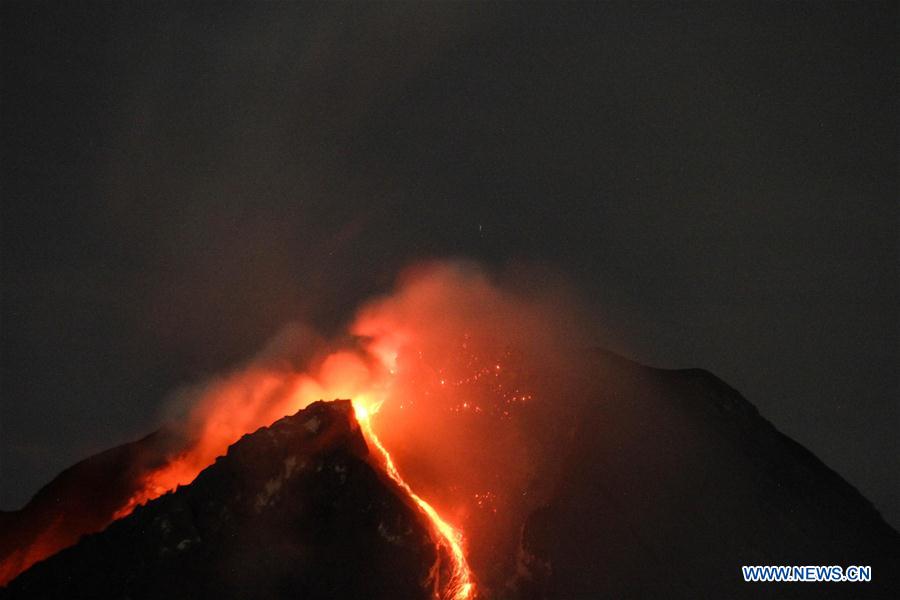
[{"x": 461, "y": 586}]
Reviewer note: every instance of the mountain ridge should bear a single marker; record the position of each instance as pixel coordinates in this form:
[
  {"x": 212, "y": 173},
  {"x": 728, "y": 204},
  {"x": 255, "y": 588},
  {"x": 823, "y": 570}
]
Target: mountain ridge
[
  {"x": 292, "y": 508},
  {"x": 670, "y": 481}
]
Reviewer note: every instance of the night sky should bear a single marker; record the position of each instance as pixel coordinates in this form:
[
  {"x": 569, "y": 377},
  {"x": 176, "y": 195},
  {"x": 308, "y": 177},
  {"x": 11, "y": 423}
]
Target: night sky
[{"x": 179, "y": 182}]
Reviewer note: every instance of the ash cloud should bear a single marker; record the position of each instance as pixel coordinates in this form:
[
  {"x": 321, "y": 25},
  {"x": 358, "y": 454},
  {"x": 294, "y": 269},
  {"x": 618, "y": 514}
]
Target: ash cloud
[
  {"x": 474, "y": 380},
  {"x": 181, "y": 180}
]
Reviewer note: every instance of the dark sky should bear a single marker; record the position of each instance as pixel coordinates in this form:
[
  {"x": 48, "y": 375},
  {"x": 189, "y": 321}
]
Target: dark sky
[{"x": 178, "y": 182}]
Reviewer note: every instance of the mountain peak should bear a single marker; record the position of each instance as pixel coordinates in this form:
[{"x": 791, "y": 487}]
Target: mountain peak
[{"x": 293, "y": 509}]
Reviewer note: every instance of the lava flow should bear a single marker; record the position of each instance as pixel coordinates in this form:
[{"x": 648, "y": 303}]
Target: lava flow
[
  {"x": 449, "y": 351},
  {"x": 461, "y": 585}
]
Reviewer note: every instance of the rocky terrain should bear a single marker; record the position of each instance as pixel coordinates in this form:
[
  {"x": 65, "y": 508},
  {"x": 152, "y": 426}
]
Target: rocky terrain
[
  {"x": 675, "y": 481},
  {"x": 670, "y": 481},
  {"x": 293, "y": 510}
]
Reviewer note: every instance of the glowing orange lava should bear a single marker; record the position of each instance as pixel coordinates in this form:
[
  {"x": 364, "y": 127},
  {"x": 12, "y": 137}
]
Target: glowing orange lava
[
  {"x": 461, "y": 585},
  {"x": 448, "y": 346}
]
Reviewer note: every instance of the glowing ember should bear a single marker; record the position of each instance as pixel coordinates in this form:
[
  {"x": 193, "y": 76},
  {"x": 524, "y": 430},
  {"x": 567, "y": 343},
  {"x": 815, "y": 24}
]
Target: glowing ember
[{"x": 461, "y": 585}]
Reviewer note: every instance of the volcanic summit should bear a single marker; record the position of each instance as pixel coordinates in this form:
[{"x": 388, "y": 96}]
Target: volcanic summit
[
  {"x": 670, "y": 482},
  {"x": 292, "y": 510}
]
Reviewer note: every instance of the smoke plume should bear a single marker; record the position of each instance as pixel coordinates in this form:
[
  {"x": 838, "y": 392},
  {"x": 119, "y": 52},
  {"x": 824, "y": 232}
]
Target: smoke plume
[{"x": 463, "y": 374}]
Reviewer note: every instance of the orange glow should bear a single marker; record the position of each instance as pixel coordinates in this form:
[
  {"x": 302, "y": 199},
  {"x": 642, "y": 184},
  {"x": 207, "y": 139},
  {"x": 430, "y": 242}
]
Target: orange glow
[
  {"x": 457, "y": 369},
  {"x": 461, "y": 585},
  {"x": 226, "y": 409},
  {"x": 433, "y": 349}
]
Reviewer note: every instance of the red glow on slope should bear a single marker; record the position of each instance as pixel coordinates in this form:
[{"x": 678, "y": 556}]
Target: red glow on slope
[
  {"x": 252, "y": 398},
  {"x": 450, "y": 360},
  {"x": 461, "y": 585}
]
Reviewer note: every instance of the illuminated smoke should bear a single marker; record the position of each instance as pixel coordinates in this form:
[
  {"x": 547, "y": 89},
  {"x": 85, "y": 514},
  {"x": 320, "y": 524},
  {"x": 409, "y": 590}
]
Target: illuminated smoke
[
  {"x": 460, "y": 586},
  {"x": 461, "y": 377}
]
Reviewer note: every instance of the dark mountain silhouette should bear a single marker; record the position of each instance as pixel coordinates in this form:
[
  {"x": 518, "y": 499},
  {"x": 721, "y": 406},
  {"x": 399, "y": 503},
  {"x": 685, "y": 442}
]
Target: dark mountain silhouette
[
  {"x": 82, "y": 499},
  {"x": 675, "y": 481},
  {"x": 293, "y": 510},
  {"x": 671, "y": 482}
]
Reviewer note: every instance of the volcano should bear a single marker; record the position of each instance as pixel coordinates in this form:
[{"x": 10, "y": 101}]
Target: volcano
[
  {"x": 667, "y": 483},
  {"x": 292, "y": 510}
]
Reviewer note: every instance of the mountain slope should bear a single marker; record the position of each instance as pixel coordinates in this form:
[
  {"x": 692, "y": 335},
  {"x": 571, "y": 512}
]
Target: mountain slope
[
  {"x": 668, "y": 482},
  {"x": 293, "y": 510},
  {"x": 674, "y": 481},
  {"x": 82, "y": 499}
]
